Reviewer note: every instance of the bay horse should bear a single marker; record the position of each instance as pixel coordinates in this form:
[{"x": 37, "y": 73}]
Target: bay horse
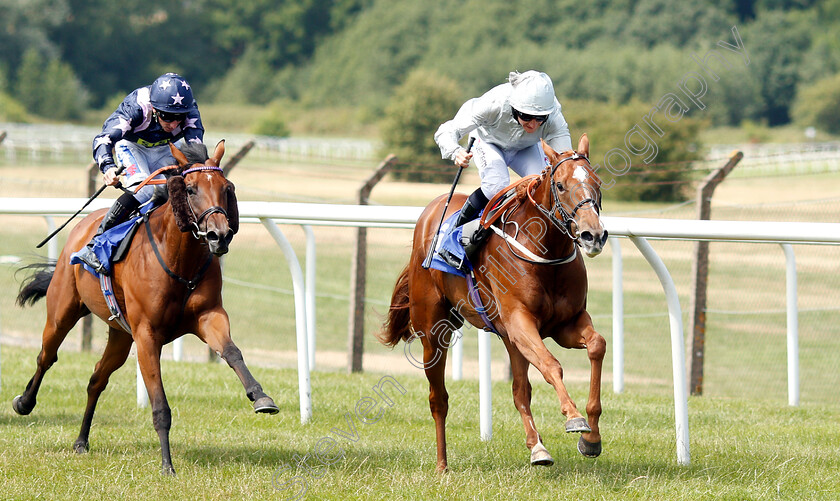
[
  {"x": 532, "y": 283},
  {"x": 168, "y": 284}
]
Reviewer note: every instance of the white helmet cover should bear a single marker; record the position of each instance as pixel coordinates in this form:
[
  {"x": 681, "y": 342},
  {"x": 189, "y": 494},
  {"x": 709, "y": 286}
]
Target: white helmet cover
[{"x": 533, "y": 93}]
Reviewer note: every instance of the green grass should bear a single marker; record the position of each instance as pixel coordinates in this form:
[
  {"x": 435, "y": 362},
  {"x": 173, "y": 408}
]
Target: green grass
[{"x": 741, "y": 448}]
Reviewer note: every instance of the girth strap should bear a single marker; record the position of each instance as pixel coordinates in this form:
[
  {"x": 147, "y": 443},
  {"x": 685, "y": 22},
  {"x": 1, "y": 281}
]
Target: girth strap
[
  {"x": 479, "y": 306},
  {"x": 107, "y": 287}
]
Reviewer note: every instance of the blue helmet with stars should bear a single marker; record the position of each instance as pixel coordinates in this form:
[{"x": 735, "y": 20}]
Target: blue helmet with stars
[{"x": 171, "y": 93}]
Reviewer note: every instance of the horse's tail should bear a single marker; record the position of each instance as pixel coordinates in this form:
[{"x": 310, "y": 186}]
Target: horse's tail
[
  {"x": 396, "y": 327},
  {"x": 34, "y": 287}
]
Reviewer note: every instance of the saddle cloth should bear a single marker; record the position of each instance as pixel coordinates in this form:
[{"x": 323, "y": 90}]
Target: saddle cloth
[
  {"x": 449, "y": 240},
  {"x": 107, "y": 245}
]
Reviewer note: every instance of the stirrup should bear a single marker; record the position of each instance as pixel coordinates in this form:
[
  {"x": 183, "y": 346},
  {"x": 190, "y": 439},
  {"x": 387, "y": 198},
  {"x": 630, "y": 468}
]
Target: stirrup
[
  {"x": 453, "y": 261},
  {"x": 87, "y": 256}
]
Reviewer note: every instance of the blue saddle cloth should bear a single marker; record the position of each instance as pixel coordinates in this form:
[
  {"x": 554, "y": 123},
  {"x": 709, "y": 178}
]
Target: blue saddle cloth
[
  {"x": 105, "y": 244},
  {"x": 449, "y": 238}
]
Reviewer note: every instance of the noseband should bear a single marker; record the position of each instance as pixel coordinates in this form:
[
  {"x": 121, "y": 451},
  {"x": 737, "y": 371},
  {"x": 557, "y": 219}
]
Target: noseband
[
  {"x": 564, "y": 222},
  {"x": 197, "y": 233}
]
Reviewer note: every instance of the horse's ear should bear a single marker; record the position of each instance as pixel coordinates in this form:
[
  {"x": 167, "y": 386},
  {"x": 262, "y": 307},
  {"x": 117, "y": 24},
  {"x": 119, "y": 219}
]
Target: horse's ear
[
  {"x": 178, "y": 202},
  {"x": 179, "y": 156},
  {"x": 549, "y": 151},
  {"x": 219, "y": 152},
  {"x": 232, "y": 208},
  {"x": 583, "y": 145}
]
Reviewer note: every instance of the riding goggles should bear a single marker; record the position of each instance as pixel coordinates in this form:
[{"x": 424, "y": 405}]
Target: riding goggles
[
  {"x": 170, "y": 117},
  {"x": 527, "y": 118}
]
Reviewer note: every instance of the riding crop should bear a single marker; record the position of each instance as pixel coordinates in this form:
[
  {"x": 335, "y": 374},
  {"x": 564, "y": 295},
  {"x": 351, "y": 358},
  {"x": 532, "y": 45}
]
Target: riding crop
[
  {"x": 98, "y": 192},
  {"x": 428, "y": 261}
]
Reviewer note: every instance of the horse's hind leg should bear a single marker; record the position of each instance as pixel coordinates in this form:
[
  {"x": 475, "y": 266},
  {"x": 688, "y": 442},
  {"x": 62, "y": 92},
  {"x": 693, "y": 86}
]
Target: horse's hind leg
[
  {"x": 431, "y": 325},
  {"x": 521, "y": 388},
  {"x": 116, "y": 352},
  {"x": 214, "y": 329},
  {"x": 60, "y": 319}
]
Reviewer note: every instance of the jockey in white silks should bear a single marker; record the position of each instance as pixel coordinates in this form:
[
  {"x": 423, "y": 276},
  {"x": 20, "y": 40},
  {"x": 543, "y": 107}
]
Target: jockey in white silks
[{"x": 507, "y": 123}]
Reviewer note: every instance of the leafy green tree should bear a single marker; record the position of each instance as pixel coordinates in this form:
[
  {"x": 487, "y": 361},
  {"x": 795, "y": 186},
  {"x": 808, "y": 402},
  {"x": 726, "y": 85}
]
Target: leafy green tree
[
  {"x": 414, "y": 113},
  {"x": 775, "y": 43},
  {"x": 660, "y": 172},
  {"x": 272, "y": 122},
  {"x": 28, "y": 88},
  {"x": 818, "y": 105},
  {"x": 49, "y": 88},
  {"x": 11, "y": 110}
]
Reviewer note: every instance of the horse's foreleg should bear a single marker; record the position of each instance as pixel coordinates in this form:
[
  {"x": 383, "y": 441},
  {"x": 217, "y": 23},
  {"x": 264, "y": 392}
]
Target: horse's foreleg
[
  {"x": 521, "y": 388},
  {"x": 523, "y": 333},
  {"x": 214, "y": 329},
  {"x": 596, "y": 347},
  {"x": 115, "y": 355},
  {"x": 148, "y": 356}
]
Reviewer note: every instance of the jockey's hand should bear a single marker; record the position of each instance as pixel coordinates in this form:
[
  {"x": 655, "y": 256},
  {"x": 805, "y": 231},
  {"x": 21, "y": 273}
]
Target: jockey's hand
[
  {"x": 111, "y": 177},
  {"x": 462, "y": 158}
]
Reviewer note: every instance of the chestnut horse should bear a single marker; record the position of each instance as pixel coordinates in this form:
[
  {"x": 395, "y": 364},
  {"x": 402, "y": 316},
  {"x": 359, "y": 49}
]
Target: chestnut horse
[
  {"x": 531, "y": 284},
  {"x": 166, "y": 287}
]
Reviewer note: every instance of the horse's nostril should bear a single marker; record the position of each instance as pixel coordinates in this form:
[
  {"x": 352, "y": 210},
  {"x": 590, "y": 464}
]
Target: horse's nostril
[
  {"x": 212, "y": 236},
  {"x": 604, "y": 237},
  {"x": 587, "y": 236}
]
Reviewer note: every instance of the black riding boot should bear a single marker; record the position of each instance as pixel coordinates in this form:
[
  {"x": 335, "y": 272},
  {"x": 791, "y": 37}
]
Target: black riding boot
[
  {"x": 469, "y": 211},
  {"x": 118, "y": 213},
  {"x": 472, "y": 207}
]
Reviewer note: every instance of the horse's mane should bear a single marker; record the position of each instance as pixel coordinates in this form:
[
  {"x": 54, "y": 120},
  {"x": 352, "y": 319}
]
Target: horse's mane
[{"x": 196, "y": 153}]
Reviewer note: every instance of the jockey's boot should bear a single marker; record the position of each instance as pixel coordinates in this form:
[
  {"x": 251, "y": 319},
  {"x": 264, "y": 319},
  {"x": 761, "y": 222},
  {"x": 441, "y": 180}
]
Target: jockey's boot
[
  {"x": 469, "y": 211},
  {"x": 472, "y": 240},
  {"x": 118, "y": 213}
]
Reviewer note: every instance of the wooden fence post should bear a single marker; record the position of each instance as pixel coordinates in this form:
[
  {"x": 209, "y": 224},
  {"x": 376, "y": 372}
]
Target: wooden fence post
[
  {"x": 700, "y": 275},
  {"x": 358, "y": 272},
  {"x": 2, "y": 135},
  {"x": 93, "y": 174},
  {"x": 236, "y": 158}
]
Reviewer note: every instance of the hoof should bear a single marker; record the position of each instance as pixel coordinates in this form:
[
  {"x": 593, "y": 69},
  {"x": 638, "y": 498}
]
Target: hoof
[
  {"x": 266, "y": 405},
  {"x": 168, "y": 471},
  {"x": 80, "y": 447},
  {"x": 19, "y": 408},
  {"x": 589, "y": 449},
  {"x": 540, "y": 456},
  {"x": 577, "y": 425}
]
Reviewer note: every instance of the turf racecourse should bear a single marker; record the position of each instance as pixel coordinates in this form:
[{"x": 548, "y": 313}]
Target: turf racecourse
[{"x": 740, "y": 448}]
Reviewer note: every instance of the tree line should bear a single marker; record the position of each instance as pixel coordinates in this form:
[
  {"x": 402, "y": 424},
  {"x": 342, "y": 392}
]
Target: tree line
[
  {"x": 83, "y": 53},
  {"x": 408, "y": 65}
]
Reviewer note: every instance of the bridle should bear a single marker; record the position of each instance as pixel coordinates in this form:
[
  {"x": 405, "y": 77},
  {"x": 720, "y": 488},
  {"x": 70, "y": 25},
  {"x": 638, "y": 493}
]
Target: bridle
[
  {"x": 196, "y": 222},
  {"x": 566, "y": 219}
]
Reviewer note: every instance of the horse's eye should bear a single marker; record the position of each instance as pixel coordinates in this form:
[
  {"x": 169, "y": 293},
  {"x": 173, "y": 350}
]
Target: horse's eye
[
  {"x": 190, "y": 190},
  {"x": 560, "y": 187}
]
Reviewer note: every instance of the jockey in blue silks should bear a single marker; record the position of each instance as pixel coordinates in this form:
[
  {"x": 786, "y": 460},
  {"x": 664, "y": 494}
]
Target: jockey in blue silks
[
  {"x": 137, "y": 136},
  {"x": 508, "y": 122}
]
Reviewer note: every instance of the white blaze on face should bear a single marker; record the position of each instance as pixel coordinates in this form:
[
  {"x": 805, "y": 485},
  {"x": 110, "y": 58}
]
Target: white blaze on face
[{"x": 580, "y": 173}]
